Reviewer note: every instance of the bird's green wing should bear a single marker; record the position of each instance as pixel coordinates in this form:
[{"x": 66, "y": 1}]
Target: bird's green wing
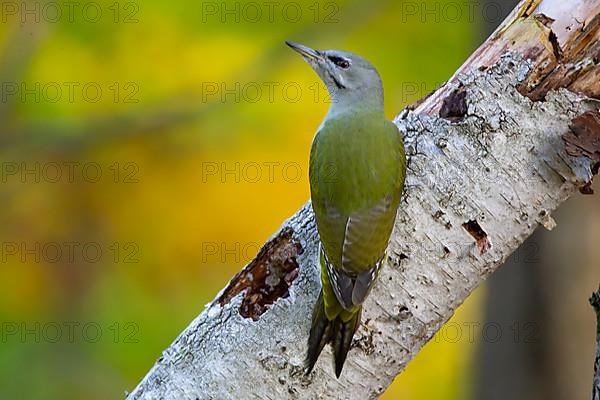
[
  {"x": 367, "y": 233},
  {"x": 357, "y": 174}
]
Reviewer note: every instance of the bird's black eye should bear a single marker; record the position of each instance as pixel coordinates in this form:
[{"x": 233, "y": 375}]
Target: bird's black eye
[{"x": 340, "y": 62}]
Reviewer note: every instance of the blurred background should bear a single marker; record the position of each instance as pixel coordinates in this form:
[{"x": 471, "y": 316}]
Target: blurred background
[{"x": 149, "y": 148}]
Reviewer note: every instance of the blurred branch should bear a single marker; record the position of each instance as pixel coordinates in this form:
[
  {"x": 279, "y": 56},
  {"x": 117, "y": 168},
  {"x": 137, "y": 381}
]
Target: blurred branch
[
  {"x": 595, "y": 302},
  {"x": 492, "y": 154}
]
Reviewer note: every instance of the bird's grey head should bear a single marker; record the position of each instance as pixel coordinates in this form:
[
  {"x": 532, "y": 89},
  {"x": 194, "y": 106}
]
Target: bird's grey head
[{"x": 350, "y": 79}]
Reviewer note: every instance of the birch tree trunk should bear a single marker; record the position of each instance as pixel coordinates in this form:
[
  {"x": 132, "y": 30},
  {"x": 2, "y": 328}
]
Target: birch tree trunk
[
  {"x": 492, "y": 153},
  {"x": 538, "y": 298}
]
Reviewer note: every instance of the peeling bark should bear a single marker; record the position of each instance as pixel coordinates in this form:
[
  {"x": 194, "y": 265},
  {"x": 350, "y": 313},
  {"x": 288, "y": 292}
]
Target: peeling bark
[
  {"x": 584, "y": 141},
  {"x": 478, "y": 184},
  {"x": 267, "y": 278},
  {"x": 574, "y": 24}
]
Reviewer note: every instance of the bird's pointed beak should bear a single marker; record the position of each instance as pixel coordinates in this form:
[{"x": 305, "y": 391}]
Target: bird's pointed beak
[{"x": 306, "y": 52}]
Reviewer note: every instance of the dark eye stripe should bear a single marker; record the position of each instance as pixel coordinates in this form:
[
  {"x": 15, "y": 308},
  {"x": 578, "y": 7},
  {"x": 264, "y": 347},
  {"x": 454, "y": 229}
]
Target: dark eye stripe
[{"x": 340, "y": 61}]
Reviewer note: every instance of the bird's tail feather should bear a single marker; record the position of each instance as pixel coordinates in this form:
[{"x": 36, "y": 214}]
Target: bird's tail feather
[{"x": 338, "y": 332}]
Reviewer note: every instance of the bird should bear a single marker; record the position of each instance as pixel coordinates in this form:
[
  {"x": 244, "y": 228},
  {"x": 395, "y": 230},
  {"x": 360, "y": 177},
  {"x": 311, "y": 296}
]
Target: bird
[{"x": 357, "y": 170}]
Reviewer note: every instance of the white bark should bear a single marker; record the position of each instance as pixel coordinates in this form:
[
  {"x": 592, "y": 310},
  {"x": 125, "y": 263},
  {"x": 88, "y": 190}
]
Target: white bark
[{"x": 503, "y": 167}]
